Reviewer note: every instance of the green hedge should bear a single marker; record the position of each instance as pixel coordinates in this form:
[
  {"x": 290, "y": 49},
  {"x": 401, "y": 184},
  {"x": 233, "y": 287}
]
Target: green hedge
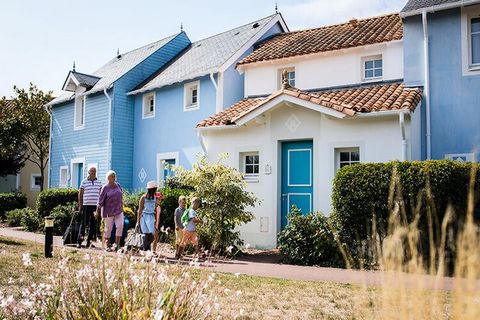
[
  {"x": 62, "y": 215},
  {"x": 50, "y": 198},
  {"x": 10, "y": 201},
  {"x": 31, "y": 220},
  {"x": 14, "y": 217},
  {"x": 309, "y": 240},
  {"x": 362, "y": 191}
]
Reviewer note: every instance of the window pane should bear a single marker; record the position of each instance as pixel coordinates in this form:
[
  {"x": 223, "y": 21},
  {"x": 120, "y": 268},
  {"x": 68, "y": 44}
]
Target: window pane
[
  {"x": 248, "y": 169},
  {"x": 256, "y": 159},
  {"x": 368, "y": 65},
  {"x": 355, "y": 156},
  {"x": 368, "y": 74},
  {"x": 378, "y": 73},
  {"x": 344, "y": 156},
  {"x": 475, "y": 27},
  {"x": 344, "y": 164},
  {"x": 378, "y": 63},
  {"x": 249, "y": 159},
  {"x": 255, "y": 169},
  {"x": 38, "y": 181},
  {"x": 476, "y": 48}
]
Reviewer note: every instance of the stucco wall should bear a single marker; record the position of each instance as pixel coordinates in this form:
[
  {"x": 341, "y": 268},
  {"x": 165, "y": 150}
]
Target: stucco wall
[
  {"x": 379, "y": 140},
  {"x": 337, "y": 68}
]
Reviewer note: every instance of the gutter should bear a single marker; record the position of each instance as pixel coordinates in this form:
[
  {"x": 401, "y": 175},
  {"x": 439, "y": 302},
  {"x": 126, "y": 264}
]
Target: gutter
[
  {"x": 445, "y": 6},
  {"x": 109, "y": 134},
  {"x": 382, "y": 113},
  {"x": 49, "y": 111},
  {"x": 426, "y": 89}
]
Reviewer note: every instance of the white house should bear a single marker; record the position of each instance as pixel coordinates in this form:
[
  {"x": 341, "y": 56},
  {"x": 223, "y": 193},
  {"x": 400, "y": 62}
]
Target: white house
[{"x": 315, "y": 100}]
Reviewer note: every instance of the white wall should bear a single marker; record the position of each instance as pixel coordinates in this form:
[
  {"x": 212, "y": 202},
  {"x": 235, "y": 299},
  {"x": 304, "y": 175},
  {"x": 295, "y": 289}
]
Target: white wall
[
  {"x": 379, "y": 140},
  {"x": 334, "y": 68}
]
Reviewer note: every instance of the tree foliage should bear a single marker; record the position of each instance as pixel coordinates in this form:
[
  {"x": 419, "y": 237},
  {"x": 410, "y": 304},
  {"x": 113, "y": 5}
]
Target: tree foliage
[{"x": 225, "y": 202}]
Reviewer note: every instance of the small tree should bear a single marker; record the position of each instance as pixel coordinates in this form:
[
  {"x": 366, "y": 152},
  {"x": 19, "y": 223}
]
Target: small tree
[
  {"x": 224, "y": 201},
  {"x": 36, "y": 124}
]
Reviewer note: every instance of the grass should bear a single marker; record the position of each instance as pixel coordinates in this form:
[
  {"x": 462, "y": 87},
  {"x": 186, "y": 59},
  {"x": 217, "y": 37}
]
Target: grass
[{"x": 259, "y": 297}]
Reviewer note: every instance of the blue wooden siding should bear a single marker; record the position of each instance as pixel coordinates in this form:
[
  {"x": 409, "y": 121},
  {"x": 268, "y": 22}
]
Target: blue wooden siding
[
  {"x": 90, "y": 142},
  {"x": 454, "y": 98},
  {"x": 123, "y": 110}
]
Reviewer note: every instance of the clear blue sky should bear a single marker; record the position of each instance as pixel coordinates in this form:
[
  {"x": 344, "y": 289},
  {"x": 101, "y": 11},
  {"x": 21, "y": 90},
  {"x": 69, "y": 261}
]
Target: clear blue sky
[{"x": 40, "y": 39}]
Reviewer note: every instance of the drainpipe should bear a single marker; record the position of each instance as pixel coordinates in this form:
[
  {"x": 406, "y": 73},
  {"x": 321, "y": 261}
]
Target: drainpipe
[
  {"x": 426, "y": 90},
  {"x": 202, "y": 143},
  {"x": 401, "y": 119},
  {"x": 49, "y": 111},
  {"x": 216, "y": 92},
  {"x": 109, "y": 134}
]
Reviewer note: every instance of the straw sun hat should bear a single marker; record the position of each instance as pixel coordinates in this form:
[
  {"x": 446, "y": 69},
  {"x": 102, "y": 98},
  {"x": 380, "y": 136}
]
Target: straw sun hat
[{"x": 152, "y": 185}]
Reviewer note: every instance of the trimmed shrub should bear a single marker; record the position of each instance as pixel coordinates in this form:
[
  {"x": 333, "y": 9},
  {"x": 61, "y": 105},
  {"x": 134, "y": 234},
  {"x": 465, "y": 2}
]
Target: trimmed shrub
[
  {"x": 309, "y": 240},
  {"x": 14, "y": 217},
  {"x": 31, "y": 220},
  {"x": 130, "y": 200},
  {"x": 62, "y": 216},
  {"x": 50, "y": 198},
  {"x": 366, "y": 191},
  {"x": 10, "y": 201}
]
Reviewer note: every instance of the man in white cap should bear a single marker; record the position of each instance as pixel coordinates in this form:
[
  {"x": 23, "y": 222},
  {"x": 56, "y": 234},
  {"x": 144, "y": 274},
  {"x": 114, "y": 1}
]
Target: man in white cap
[{"x": 87, "y": 205}]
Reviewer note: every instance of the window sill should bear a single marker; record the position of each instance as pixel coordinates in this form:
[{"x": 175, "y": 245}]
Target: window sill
[
  {"x": 368, "y": 80},
  {"x": 191, "y": 107},
  {"x": 148, "y": 116},
  {"x": 251, "y": 179},
  {"x": 78, "y": 128}
]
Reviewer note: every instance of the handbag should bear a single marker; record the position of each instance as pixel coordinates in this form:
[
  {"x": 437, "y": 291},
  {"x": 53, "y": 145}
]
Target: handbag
[
  {"x": 137, "y": 240},
  {"x": 71, "y": 233}
]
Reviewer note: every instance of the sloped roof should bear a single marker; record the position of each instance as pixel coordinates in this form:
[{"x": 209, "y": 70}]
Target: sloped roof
[
  {"x": 340, "y": 36},
  {"x": 421, "y": 4},
  {"x": 361, "y": 99},
  {"x": 85, "y": 79},
  {"x": 205, "y": 56},
  {"x": 118, "y": 66}
]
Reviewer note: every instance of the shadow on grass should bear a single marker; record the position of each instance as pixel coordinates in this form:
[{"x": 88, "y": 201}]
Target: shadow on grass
[{"x": 11, "y": 242}]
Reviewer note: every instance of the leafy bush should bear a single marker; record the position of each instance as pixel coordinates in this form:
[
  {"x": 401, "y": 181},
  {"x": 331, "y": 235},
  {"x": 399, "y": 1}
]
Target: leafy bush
[
  {"x": 131, "y": 199},
  {"x": 309, "y": 240},
  {"x": 62, "y": 215},
  {"x": 50, "y": 198},
  {"x": 31, "y": 220},
  {"x": 14, "y": 217},
  {"x": 10, "y": 201},
  {"x": 364, "y": 195},
  {"x": 225, "y": 201},
  {"x": 169, "y": 204}
]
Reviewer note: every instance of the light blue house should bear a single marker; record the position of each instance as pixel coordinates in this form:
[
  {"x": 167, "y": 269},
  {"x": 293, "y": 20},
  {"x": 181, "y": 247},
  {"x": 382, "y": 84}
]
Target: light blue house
[
  {"x": 93, "y": 123},
  {"x": 198, "y": 83},
  {"x": 442, "y": 54}
]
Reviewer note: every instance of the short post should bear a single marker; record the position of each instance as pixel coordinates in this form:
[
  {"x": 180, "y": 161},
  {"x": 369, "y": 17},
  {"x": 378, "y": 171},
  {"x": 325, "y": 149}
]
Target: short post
[{"x": 48, "y": 236}]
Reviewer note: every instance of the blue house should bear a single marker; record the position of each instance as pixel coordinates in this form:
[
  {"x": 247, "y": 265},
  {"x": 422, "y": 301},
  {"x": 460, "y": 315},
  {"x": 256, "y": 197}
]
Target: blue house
[
  {"x": 93, "y": 123},
  {"x": 442, "y": 54},
  {"x": 196, "y": 84}
]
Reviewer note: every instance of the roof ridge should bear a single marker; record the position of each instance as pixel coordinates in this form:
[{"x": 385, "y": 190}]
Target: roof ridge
[
  {"x": 153, "y": 42},
  {"x": 229, "y": 30},
  {"x": 86, "y": 74}
]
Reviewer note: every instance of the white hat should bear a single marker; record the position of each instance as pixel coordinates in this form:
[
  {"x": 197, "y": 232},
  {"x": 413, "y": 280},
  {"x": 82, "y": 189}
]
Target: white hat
[{"x": 152, "y": 184}]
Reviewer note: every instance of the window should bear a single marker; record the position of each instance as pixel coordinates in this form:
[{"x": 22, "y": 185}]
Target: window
[
  {"x": 148, "y": 106},
  {"x": 250, "y": 165},
  {"x": 79, "y": 116},
  {"x": 372, "y": 68},
  {"x": 346, "y": 157},
  {"x": 463, "y": 157},
  {"x": 192, "y": 96},
  {"x": 165, "y": 161},
  {"x": 35, "y": 181},
  {"x": 63, "y": 180},
  {"x": 475, "y": 42},
  {"x": 290, "y": 77}
]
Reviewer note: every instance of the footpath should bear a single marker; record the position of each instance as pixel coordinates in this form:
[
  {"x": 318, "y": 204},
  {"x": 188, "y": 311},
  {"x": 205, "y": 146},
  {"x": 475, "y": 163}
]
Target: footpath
[{"x": 258, "y": 265}]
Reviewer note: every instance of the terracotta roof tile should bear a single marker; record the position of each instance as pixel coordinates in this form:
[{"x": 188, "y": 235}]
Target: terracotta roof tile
[
  {"x": 361, "y": 99},
  {"x": 347, "y": 35}
]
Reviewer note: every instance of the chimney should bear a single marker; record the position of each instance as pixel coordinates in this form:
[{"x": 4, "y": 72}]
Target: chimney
[{"x": 353, "y": 22}]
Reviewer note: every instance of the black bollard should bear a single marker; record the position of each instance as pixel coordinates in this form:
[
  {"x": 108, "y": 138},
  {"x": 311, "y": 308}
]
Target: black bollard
[{"x": 48, "y": 236}]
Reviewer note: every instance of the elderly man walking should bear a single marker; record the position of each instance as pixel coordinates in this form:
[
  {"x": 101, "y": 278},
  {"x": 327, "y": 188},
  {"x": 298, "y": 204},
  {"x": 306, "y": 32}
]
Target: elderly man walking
[{"x": 87, "y": 205}]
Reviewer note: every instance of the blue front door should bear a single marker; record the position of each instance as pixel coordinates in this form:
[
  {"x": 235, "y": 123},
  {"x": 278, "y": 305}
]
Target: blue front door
[
  {"x": 80, "y": 175},
  {"x": 297, "y": 177}
]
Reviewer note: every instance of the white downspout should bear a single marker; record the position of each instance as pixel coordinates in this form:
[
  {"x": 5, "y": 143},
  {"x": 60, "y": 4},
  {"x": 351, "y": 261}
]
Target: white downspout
[
  {"x": 217, "y": 95},
  {"x": 47, "y": 108},
  {"x": 109, "y": 134},
  {"x": 401, "y": 118},
  {"x": 426, "y": 90}
]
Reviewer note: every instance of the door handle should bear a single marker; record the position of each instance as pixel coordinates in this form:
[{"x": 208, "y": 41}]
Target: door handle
[{"x": 284, "y": 195}]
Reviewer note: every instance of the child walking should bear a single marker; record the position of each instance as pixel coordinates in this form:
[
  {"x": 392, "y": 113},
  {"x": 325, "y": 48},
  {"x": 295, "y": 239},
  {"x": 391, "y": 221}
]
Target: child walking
[{"x": 148, "y": 216}]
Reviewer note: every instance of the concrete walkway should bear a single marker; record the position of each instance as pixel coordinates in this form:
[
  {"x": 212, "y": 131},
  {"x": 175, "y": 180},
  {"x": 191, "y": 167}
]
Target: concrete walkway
[{"x": 283, "y": 271}]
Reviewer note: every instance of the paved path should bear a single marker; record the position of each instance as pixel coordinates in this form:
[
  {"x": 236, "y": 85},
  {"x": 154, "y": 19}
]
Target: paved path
[{"x": 291, "y": 272}]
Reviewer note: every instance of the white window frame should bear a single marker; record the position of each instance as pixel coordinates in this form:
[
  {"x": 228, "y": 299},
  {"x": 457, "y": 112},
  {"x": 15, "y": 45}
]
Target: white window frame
[
  {"x": 74, "y": 174},
  {"x": 373, "y": 58},
  {"x": 338, "y": 150},
  {"x": 160, "y": 166},
  {"x": 79, "y": 101},
  {"x": 280, "y": 76},
  {"x": 146, "y": 105},
  {"x": 468, "y": 13},
  {"x": 187, "y": 96},
  {"x": 470, "y": 157},
  {"x": 60, "y": 184},
  {"x": 249, "y": 177},
  {"x": 33, "y": 186}
]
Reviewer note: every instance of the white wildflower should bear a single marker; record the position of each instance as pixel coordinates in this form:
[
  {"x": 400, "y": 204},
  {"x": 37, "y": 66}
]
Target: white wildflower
[
  {"x": 247, "y": 246},
  {"x": 229, "y": 249},
  {"x": 158, "y": 314},
  {"x": 237, "y": 274},
  {"x": 10, "y": 280},
  {"x": 242, "y": 312},
  {"x": 26, "y": 259},
  {"x": 216, "y": 305},
  {"x": 116, "y": 293},
  {"x": 238, "y": 293},
  {"x": 226, "y": 291}
]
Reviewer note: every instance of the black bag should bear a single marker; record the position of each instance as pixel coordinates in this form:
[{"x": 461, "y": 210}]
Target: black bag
[{"x": 71, "y": 234}]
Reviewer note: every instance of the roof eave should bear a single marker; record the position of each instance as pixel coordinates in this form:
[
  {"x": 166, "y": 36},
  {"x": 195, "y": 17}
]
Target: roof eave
[
  {"x": 445, "y": 6},
  {"x": 216, "y": 128},
  {"x": 384, "y": 113}
]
